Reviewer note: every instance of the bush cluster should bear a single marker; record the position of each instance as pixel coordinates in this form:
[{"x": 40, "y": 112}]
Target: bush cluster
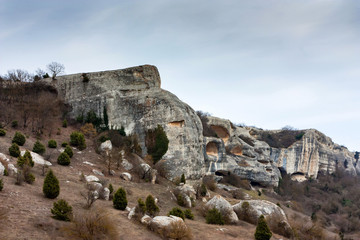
[
  {"x": 177, "y": 212},
  {"x": 213, "y": 216},
  {"x": 63, "y": 159},
  {"x": 38, "y": 148},
  {"x": 2, "y": 132},
  {"x": 151, "y": 208},
  {"x": 77, "y": 139},
  {"x": 119, "y": 200},
  {"x": 62, "y": 210},
  {"x": 64, "y": 144},
  {"x": 262, "y": 231},
  {"x": 51, "y": 187},
  {"x": 14, "y": 150},
  {"x": 69, "y": 151},
  {"x": 19, "y": 139},
  {"x": 52, "y": 143}
]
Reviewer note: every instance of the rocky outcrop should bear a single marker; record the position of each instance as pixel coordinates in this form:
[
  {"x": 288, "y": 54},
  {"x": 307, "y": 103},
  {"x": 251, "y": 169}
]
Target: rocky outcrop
[
  {"x": 235, "y": 150},
  {"x": 133, "y": 99},
  {"x": 312, "y": 154}
]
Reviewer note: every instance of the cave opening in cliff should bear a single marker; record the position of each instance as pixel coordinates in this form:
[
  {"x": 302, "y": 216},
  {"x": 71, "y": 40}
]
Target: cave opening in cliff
[
  {"x": 212, "y": 149},
  {"x": 221, "y": 132}
]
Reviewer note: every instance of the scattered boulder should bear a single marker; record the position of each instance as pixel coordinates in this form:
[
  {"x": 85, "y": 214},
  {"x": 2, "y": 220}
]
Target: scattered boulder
[
  {"x": 106, "y": 194},
  {"x": 162, "y": 224},
  {"x": 146, "y": 220},
  {"x": 127, "y": 165},
  {"x": 224, "y": 208},
  {"x": 12, "y": 169},
  {"x": 2, "y": 169},
  {"x": 146, "y": 172},
  {"x": 106, "y": 146},
  {"x": 131, "y": 213},
  {"x": 187, "y": 193},
  {"x": 4, "y": 157},
  {"x": 97, "y": 172},
  {"x": 91, "y": 178},
  {"x": 38, "y": 159},
  {"x": 126, "y": 176},
  {"x": 255, "y": 208}
]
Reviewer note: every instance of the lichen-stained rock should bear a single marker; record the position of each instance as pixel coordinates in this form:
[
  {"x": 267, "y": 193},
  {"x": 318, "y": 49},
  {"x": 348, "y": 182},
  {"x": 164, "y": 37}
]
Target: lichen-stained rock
[{"x": 133, "y": 99}]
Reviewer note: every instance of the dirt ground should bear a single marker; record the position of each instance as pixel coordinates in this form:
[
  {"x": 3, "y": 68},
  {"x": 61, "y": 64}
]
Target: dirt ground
[{"x": 29, "y": 215}]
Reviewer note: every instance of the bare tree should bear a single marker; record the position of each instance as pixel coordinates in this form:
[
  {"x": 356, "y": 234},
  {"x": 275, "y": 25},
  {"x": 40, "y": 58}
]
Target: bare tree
[
  {"x": 19, "y": 75},
  {"x": 55, "y": 68}
]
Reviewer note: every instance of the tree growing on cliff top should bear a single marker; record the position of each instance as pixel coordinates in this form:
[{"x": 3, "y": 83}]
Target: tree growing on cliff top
[{"x": 55, "y": 68}]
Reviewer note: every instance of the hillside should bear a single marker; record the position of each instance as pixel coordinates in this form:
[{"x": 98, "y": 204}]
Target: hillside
[{"x": 144, "y": 139}]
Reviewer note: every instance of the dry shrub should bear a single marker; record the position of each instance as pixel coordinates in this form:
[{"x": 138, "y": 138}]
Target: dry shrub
[
  {"x": 277, "y": 225},
  {"x": 177, "y": 230},
  {"x": 238, "y": 194},
  {"x": 91, "y": 225},
  {"x": 304, "y": 229},
  {"x": 88, "y": 130},
  {"x": 235, "y": 180},
  {"x": 90, "y": 195},
  {"x": 210, "y": 182}
]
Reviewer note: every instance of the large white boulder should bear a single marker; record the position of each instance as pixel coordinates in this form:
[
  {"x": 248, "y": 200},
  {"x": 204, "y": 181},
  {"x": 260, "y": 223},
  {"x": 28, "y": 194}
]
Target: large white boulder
[
  {"x": 255, "y": 208},
  {"x": 106, "y": 146},
  {"x": 91, "y": 178},
  {"x": 2, "y": 169},
  {"x": 38, "y": 159},
  {"x": 126, "y": 176},
  {"x": 224, "y": 208},
  {"x": 187, "y": 192},
  {"x": 4, "y": 157},
  {"x": 164, "y": 225}
]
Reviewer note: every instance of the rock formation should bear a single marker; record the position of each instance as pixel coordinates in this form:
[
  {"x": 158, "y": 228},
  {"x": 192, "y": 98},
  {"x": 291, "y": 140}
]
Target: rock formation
[{"x": 132, "y": 98}]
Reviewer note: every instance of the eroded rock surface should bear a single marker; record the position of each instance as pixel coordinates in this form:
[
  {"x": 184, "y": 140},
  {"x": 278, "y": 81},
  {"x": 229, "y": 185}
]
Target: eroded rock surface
[{"x": 133, "y": 99}]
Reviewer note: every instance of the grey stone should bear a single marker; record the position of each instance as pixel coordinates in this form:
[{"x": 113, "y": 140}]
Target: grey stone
[
  {"x": 224, "y": 208},
  {"x": 2, "y": 169},
  {"x": 126, "y": 176},
  {"x": 97, "y": 172}
]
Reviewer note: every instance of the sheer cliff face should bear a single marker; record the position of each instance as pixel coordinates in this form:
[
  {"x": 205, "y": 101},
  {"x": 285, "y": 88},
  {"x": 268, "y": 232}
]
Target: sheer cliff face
[
  {"x": 133, "y": 99},
  {"x": 312, "y": 154}
]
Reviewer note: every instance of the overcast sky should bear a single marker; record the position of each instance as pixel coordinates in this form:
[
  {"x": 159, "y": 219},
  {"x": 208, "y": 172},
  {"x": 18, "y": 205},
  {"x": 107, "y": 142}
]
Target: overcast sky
[{"x": 264, "y": 63}]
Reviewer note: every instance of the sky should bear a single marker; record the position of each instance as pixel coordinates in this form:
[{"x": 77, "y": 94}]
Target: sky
[{"x": 262, "y": 63}]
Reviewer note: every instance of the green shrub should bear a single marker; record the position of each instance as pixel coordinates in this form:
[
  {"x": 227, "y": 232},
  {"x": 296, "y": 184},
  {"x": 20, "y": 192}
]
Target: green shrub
[
  {"x": 151, "y": 208},
  {"x": 64, "y": 123},
  {"x": 141, "y": 206},
  {"x": 2, "y": 132},
  {"x": 203, "y": 190},
  {"x": 119, "y": 200},
  {"x": 69, "y": 151},
  {"x": 25, "y": 160},
  {"x": 111, "y": 188},
  {"x": 29, "y": 177},
  {"x": 180, "y": 200},
  {"x": 51, "y": 187},
  {"x": 183, "y": 180},
  {"x": 6, "y": 172},
  {"x": 1, "y": 184},
  {"x": 14, "y": 124},
  {"x": 213, "y": 216},
  {"x": 38, "y": 148},
  {"x": 103, "y": 138},
  {"x": 77, "y": 139},
  {"x": 262, "y": 231},
  {"x": 177, "y": 212},
  {"x": 189, "y": 214},
  {"x": 63, "y": 159},
  {"x": 61, "y": 210},
  {"x": 19, "y": 139},
  {"x": 156, "y": 143},
  {"x": 14, "y": 150},
  {"x": 64, "y": 144},
  {"x": 52, "y": 143}
]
